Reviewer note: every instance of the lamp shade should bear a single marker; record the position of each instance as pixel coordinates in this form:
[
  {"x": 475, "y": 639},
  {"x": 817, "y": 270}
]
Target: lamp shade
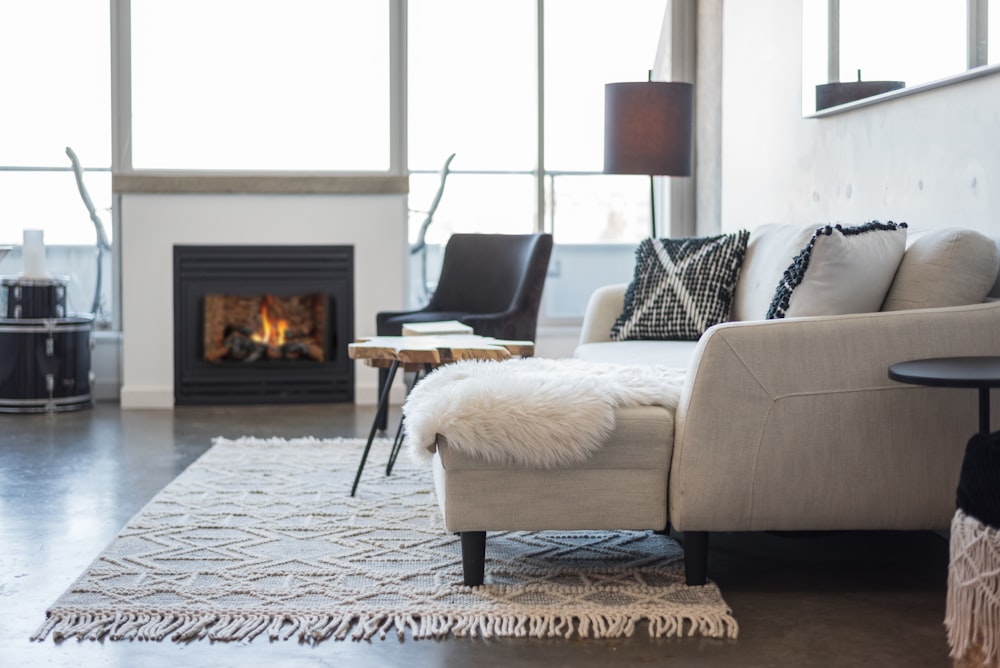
[{"x": 648, "y": 128}]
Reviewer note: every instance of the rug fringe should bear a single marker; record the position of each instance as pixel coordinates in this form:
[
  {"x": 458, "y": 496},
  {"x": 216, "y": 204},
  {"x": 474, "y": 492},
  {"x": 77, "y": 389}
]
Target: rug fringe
[
  {"x": 972, "y": 612},
  {"x": 312, "y": 629},
  {"x": 277, "y": 440}
]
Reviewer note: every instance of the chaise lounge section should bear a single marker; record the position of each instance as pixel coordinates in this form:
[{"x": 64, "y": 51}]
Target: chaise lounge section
[{"x": 787, "y": 424}]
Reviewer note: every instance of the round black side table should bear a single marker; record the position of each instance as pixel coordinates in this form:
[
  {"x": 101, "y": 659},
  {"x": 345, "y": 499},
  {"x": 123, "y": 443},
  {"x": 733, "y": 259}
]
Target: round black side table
[{"x": 981, "y": 373}]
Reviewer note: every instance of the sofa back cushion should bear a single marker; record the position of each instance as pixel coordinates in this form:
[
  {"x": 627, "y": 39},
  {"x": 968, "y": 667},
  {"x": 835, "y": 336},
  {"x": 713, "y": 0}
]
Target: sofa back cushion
[
  {"x": 946, "y": 267},
  {"x": 841, "y": 270},
  {"x": 770, "y": 250}
]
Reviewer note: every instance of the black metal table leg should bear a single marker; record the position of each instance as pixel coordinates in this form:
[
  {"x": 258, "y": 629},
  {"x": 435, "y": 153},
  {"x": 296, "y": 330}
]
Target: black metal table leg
[
  {"x": 383, "y": 407},
  {"x": 397, "y": 443}
]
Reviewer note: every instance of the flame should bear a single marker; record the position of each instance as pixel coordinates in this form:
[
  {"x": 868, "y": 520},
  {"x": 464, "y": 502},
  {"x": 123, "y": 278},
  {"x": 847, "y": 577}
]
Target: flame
[{"x": 272, "y": 331}]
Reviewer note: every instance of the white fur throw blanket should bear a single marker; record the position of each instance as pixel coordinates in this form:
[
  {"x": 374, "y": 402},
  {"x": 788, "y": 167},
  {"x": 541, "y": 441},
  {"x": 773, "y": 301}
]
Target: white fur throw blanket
[{"x": 534, "y": 412}]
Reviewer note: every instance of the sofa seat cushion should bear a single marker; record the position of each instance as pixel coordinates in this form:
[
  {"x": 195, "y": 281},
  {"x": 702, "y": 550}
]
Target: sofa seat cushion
[
  {"x": 642, "y": 438},
  {"x": 676, "y": 354},
  {"x": 841, "y": 270},
  {"x": 544, "y": 413},
  {"x": 948, "y": 267},
  {"x": 622, "y": 486}
]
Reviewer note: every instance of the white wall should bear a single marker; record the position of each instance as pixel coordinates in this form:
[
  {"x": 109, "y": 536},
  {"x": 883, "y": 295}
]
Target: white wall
[
  {"x": 151, "y": 224},
  {"x": 930, "y": 159}
]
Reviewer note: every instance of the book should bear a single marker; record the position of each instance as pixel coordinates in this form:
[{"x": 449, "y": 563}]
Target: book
[{"x": 438, "y": 328}]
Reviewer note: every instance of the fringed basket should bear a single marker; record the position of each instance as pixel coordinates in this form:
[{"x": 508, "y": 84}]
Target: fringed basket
[{"x": 972, "y": 616}]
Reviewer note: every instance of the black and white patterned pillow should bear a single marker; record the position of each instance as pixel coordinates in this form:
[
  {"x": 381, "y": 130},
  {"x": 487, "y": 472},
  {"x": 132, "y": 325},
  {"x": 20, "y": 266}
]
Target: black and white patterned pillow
[
  {"x": 681, "y": 287},
  {"x": 841, "y": 270}
]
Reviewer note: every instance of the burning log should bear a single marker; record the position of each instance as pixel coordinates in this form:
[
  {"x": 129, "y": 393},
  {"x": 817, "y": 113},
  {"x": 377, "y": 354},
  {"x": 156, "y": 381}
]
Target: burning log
[{"x": 240, "y": 347}]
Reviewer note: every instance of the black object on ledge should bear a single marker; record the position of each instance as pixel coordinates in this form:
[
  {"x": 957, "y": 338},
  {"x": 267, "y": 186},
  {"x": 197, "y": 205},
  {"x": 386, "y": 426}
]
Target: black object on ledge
[{"x": 833, "y": 94}]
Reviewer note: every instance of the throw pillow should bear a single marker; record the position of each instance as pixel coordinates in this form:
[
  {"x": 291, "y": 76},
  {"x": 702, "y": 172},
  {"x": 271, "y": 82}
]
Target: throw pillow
[
  {"x": 841, "y": 270},
  {"x": 681, "y": 287},
  {"x": 949, "y": 267},
  {"x": 769, "y": 250}
]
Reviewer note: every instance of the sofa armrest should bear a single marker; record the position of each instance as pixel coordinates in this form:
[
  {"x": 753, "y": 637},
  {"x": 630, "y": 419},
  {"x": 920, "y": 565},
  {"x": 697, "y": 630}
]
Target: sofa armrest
[
  {"x": 794, "y": 424},
  {"x": 603, "y": 308}
]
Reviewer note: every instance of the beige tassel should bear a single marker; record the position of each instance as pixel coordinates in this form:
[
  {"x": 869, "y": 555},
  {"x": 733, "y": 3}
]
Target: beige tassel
[{"x": 972, "y": 614}]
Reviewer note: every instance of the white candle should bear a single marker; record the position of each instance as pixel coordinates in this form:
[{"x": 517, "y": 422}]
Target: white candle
[{"x": 33, "y": 254}]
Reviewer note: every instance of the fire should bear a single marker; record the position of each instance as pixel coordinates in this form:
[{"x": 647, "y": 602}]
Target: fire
[{"x": 272, "y": 331}]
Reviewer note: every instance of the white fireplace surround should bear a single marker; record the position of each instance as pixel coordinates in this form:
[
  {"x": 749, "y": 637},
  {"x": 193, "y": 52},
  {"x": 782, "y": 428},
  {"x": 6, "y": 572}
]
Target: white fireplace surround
[{"x": 151, "y": 224}]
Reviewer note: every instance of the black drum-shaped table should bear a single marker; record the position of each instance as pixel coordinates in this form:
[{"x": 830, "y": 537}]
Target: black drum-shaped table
[
  {"x": 45, "y": 364},
  {"x": 29, "y": 298}
]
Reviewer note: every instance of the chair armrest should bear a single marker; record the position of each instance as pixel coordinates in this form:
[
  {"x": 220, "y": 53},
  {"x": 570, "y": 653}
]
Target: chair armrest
[
  {"x": 603, "y": 308},
  {"x": 795, "y": 425},
  {"x": 510, "y": 324}
]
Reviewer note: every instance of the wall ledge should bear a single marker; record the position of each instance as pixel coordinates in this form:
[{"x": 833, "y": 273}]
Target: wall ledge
[
  {"x": 968, "y": 75},
  {"x": 259, "y": 183}
]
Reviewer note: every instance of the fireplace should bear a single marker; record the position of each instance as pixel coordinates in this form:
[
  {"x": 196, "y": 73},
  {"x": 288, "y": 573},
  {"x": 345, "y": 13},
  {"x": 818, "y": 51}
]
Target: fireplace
[{"x": 263, "y": 324}]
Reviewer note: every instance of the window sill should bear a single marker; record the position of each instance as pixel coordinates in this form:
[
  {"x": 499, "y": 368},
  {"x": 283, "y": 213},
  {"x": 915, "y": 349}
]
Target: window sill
[
  {"x": 975, "y": 73},
  {"x": 259, "y": 183}
]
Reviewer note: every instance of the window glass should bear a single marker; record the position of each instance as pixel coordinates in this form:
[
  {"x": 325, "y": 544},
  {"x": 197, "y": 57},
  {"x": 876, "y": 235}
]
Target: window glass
[
  {"x": 55, "y": 82},
  {"x": 993, "y": 32},
  {"x": 590, "y": 43},
  {"x": 50, "y": 201},
  {"x": 259, "y": 85},
  {"x": 492, "y": 203},
  {"x": 56, "y": 92},
  {"x": 472, "y": 84},
  {"x": 890, "y": 41},
  {"x": 600, "y": 208}
]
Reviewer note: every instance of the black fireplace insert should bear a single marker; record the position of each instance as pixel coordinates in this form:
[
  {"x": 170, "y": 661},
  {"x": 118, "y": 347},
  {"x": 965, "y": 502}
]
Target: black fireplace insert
[{"x": 263, "y": 324}]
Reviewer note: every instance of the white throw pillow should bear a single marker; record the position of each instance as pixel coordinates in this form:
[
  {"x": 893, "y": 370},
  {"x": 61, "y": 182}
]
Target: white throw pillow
[
  {"x": 948, "y": 267},
  {"x": 841, "y": 270},
  {"x": 770, "y": 250}
]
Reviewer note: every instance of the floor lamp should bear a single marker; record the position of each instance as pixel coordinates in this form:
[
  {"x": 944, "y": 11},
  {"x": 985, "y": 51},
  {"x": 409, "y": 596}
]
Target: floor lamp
[{"x": 649, "y": 129}]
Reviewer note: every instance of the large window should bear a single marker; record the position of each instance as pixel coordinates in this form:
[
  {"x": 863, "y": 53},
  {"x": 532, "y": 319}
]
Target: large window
[
  {"x": 524, "y": 117},
  {"x": 514, "y": 88}
]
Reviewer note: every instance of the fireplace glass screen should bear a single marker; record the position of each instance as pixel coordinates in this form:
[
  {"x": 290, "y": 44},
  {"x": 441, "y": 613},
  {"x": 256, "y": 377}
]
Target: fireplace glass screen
[{"x": 261, "y": 328}]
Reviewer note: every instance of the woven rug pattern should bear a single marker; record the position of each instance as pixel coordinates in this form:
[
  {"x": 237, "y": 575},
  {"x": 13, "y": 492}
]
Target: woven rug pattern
[{"x": 260, "y": 538}]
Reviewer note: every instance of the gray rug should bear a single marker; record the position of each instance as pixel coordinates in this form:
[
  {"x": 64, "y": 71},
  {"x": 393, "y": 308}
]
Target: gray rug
[{"x": 260, "y": 538}]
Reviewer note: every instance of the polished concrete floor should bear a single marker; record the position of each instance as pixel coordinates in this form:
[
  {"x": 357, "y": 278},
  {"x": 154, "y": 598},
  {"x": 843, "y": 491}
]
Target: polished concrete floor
[{"x": 69, "y": 482}]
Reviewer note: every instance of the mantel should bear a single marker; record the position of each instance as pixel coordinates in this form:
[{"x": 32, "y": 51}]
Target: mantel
[{"x": 259, "y": 183}]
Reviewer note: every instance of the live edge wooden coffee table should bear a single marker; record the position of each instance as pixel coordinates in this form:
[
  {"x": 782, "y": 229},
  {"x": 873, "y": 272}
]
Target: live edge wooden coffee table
[{"x": 423, "y": 353}]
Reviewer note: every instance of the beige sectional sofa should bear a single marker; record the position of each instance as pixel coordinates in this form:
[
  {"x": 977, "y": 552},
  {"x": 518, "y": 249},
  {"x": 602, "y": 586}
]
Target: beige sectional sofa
[
  {"x": 793, "y": 424},
  {"x": 786, "y": 424}
]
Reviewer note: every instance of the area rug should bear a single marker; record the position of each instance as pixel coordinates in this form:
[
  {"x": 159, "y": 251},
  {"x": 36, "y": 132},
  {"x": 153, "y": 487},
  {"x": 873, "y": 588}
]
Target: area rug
[{"x": 260, "y": 538}]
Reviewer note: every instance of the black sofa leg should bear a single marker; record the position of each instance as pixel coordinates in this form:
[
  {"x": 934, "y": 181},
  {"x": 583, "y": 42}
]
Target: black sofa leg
[
  {"x": 695, "y": 557},
  {"x": 473, "y": 557}
]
